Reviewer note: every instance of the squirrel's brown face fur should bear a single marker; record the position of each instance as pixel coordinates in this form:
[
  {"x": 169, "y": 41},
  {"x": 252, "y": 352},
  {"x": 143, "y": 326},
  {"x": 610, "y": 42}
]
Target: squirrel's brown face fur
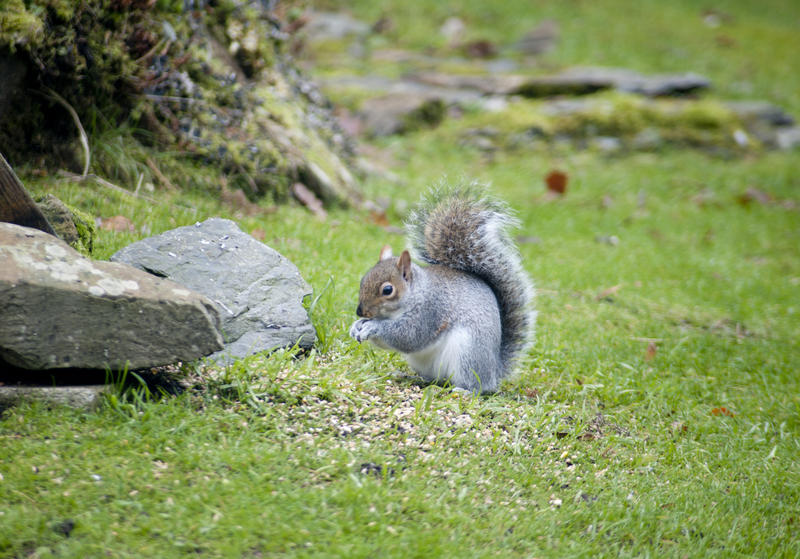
[{"x": 383, "y": 287}]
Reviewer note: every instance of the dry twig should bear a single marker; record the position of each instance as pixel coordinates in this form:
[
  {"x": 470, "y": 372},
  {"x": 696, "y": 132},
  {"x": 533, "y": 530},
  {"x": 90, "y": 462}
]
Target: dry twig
[{"x": 87, "y": 154}]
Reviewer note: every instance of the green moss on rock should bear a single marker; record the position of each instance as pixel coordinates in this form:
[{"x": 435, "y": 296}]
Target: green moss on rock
[{"x": 73, "y": 226}]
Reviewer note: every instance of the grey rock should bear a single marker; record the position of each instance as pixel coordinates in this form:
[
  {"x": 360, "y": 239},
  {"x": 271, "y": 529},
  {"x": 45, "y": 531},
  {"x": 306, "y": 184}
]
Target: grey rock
[
  {"x": 60, "y": 309},
  {"x": 540, "y": 39},
  {"x": 585, "y": 80},
  {"x": 325, "y": 26},
  {"x": 548, "y": 86},
  {"x": 259, "y": 292},
  {"x": 409, "y": 86},
  {"x": 606, "y": 144},
  {"x": 665, "y": 84},
  {"x": 453, "y": 29},
  {"x": 787, "y": 137},
  {"x": 87, "y": 397},
  {"x": 767, "y": 113},
  {"x": 501, "y": 65},
  {"x": 390, "y": 114},
  {"x": 647, "y": 139},
  {"x": 498, "y": 84}
]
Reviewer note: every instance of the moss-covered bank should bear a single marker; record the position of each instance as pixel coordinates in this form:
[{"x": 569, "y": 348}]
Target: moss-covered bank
[{"x": 211, "y": 83}]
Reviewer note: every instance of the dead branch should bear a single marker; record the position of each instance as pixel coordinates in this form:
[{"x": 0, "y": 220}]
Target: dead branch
[{"x": 87, "y": 155}]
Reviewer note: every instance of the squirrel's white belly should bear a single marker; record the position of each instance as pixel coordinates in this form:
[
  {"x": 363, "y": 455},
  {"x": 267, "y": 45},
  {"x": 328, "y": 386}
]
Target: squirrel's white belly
[{"x": 442, "y": 359}]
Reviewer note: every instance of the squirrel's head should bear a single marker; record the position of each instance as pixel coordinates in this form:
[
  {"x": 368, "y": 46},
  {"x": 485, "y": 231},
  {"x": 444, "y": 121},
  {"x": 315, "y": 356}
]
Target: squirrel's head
[{"x": 383, "y": 287}]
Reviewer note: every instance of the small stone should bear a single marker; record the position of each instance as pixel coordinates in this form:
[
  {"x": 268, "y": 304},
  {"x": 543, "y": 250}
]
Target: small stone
[
  {"x": 326, "y": 26},
  {"x": 539, "y": 40},
  {"x": 606, "y": 144},
  {"x": 787, "y": 138},
  {"x": 452, "y": 29},
  {"x": 611, "y": 240}
]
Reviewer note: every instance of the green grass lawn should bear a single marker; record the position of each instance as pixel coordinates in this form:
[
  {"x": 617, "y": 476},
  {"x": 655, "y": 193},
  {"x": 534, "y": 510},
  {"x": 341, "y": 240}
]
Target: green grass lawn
[{"x": 656, "y": 415}]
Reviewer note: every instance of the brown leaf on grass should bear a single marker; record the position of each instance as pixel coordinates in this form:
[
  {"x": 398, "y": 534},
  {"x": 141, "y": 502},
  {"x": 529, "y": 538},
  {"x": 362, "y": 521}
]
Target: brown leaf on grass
[
  {"x": 556, "y": 182},
  {"x": 722, "y": 411},
  {"x": 383, "y": 25},
  {"x": 480, "y": 49},
  {"x": 531, "y": 393},
  {"x": 753, "y": 194},
  {"x": 609, "y": 292},
  {"x": 726, "y": 41},
  {"x": 258, "y": 234},
  {"x": 378, "y": 217},
  {"x": 117, "y": 223},
  {"x": 678, "y": 427},
  {"x": 297, "y": 24},
  {"x": 309, "y": 200},
  {"x": 238, "y": 201},
  {"x": 650, "y": 352},
  {"x": 350, "y": 123}
]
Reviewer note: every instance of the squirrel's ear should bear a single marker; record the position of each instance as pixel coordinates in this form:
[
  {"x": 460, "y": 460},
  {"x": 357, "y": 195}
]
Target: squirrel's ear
[
  {"x": 386, "y": 253},
  {"x": 404, "y": 265}
]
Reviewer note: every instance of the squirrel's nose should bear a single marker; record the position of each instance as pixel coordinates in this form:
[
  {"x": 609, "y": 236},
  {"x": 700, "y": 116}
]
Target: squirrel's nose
[{"x": 359, "y": 312}]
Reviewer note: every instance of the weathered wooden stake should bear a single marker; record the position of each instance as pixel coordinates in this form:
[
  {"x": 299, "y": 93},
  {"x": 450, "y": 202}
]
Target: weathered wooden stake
[{"x": 16, "y": 205}]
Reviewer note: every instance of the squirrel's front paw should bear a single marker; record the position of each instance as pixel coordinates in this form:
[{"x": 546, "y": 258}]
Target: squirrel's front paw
[{"x": 361, "y": 330}]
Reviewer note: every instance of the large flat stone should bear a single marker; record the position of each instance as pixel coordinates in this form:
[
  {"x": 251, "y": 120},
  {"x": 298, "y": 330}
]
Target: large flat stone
[
  {"x": 585, "y": 80},
  {"x": 259, "y": 292},
  {"x": 59, "y": 309}
]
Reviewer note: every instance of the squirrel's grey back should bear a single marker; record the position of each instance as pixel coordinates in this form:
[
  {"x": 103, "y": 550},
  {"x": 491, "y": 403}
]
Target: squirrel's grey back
[{"x": 462, "y": 228}]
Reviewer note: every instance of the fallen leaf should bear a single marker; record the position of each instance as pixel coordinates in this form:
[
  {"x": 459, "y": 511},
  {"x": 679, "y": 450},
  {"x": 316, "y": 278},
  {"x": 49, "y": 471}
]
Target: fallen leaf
[
  {"x": 725, "y": 41},
  {"x": 650, "y": 352},
  {"x": 383, "y": 25},
  {"x": 238, "y": 200},
  {"x": 117, "y": 223},
  {"x": 297, "y": 24},
  {"x": 678, "y": 427},
  {"x": 309, "y": 200},
  {"x": 378, "y": 217},
  {"x": 722, "y": 411},
  {"x": 609, "y": 292},
  {"x": 480, "y": 49},
  {"x": 556, "y": 182},
  {"x": 258, "y": 234},
  {"x": 753, "y": 194}
]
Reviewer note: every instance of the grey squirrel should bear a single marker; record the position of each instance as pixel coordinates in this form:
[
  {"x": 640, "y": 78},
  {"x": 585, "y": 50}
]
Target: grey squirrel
[{"x": 466, "y": 317}]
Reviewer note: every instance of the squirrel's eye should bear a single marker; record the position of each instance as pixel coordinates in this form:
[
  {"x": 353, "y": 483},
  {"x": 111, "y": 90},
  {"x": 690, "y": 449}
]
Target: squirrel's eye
[{"x": 387, "y": 289}]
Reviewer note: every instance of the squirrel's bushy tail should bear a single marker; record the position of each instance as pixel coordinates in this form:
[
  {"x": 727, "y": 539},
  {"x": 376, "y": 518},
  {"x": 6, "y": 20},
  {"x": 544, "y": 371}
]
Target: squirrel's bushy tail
[{"x": 463, "y": 228}]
